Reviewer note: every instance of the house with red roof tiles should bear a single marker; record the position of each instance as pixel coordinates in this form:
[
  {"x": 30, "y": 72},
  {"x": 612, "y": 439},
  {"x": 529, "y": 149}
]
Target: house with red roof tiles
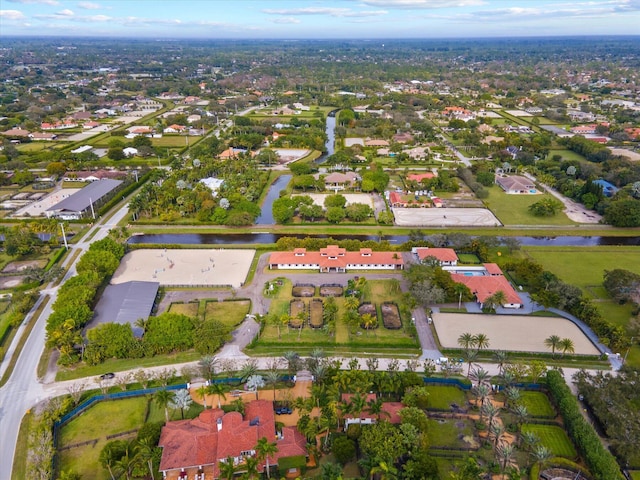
[
  {"x": 484, "y": 282},
  {"x": 445, "y": 256},
  {"x": 194, "y": 448},
  {"x": 335, "y": 259},
  {"x": 390, "y": 411}
]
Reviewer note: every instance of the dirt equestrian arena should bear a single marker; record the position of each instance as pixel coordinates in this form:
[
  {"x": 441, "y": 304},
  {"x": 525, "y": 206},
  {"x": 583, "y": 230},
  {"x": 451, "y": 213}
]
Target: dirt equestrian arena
[
  {"x": 445, "y": 217},
  {"x": 517, "y": 333},
  {"x": 195, "y": 267}
]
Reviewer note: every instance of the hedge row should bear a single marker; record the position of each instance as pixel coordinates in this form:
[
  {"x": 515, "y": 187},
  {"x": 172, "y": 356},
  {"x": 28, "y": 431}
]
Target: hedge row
[{"x": 600, "y": 461}]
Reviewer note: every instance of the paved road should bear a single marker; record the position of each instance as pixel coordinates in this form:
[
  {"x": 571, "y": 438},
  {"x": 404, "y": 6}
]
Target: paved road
[{"x": 23, "y": 389}]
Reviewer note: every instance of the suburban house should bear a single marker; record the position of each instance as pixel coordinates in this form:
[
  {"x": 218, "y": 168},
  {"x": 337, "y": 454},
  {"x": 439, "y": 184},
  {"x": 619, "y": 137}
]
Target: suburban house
[
  {"x": 140, "y": 130},
  {"x": 376, "y": 143},
  {"x": 484, "y": 282},
  {"x": 404, "y": 137},
  {"x": 335, "y": 259},
  {"x": 174, "y": 129},
  {"x": 445, "y": 256},
  {"x": 516, "y": 184},
  {"x": 583, "y": 129},
  {"x": 396, "y": 200},
  {"x": 340, "y": 181},
  {"x": 194, "y": 448},
  {"x": 16, "y": 132},
  {"x": 43, "y": 136},
  {"x": 390, "y": 412}
]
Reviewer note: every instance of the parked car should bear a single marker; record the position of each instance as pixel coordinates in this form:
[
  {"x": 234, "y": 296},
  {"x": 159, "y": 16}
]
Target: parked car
[
  {"x": 107, "y": 376},
  {"x": 283, "y": 411}
]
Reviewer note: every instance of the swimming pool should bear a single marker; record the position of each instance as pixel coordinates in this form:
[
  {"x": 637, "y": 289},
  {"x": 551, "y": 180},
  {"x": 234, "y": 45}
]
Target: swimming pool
[{"x": 473, "y": 274}]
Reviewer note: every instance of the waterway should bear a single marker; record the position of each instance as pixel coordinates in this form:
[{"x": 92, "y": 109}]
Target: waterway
[
  {"x": 266, "y": 238},
  {"x": 266, "y": 214}
]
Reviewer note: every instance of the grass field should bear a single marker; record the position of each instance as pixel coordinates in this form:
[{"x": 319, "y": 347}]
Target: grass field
[
  {"x": 554, "y": 438},
  {"x": 537, "y": 404},
  {"x": 566, "y": 154},
  {"x": 442, "y": 396},
  {"x": 230, "y": 313},
  {"x": 173, "y": 141},
  {"x": 635, "y": 474},
  {"x": 189, "y": 309},
  {"x": 513, "y": 209},
  {"x": 446, "y": 433}
]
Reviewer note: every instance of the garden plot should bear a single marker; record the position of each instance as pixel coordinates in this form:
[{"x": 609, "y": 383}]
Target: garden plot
[
  {"x": 297, "y": 308},
  {"x": 331, "y": 290},
  {"x": 518, "y": 333},
  {"x": 303, "y": 291},
  {"x": 390, "y": 316},
  {"x": 316, "y": 320}
]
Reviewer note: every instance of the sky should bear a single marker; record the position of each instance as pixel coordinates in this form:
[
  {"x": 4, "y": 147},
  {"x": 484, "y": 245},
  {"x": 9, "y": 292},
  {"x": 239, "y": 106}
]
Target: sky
[{"x": 299, "y": 19}]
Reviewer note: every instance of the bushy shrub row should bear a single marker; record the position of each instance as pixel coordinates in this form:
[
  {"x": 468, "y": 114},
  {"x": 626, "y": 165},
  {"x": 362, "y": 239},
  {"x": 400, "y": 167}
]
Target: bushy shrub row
[{"x": 600, "y": 461}]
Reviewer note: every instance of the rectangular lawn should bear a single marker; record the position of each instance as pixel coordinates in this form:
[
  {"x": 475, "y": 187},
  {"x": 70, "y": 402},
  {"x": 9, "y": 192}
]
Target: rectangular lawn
[
  {"x": 442, "y": 396},
  {"x": 538, "y": 404},
  {"x": 446, "y": 433},
  {"x": 189, "y": 309},
  {"x": 513, "y": 209},
  {"x": 230, "y": 313},
  {"x": 554, "y": 438}
]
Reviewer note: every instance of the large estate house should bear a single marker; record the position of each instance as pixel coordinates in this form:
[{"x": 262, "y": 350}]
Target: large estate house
[
  {"x": 193, "y": 449},
  {"x": 335, "y": 259},
  {"x": 516, "y": 184},
  {"x": 484, "y": 282}
]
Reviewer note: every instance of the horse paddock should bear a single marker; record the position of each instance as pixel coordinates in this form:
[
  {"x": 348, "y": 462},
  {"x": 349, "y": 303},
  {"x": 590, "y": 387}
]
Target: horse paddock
[
  {"x": 189, "y": 267},
  {"x": 518, "y": 333}
]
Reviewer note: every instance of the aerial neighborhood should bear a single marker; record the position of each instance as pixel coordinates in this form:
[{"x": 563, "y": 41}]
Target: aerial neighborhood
[{"x": 328, "y": 259}]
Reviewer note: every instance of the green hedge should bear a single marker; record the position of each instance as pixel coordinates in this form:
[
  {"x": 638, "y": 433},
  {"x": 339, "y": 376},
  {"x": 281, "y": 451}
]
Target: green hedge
[
  {"x": 56, "y": 258},
  {"x": 600, "y": 461}
]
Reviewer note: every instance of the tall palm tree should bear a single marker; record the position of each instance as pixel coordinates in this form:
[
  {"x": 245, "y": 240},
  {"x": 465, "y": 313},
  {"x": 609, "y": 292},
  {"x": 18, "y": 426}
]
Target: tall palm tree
[
  {"x": 512, "y": 396},
  {"x": 129, "y": 460},
  {"x": 145, "y": 451},
  {"x": 481, "y": 341},
  {"x": 384, "y": 471},
  {"x": 481, "y": 392},
  {"x": 162, "y": 399},
  {"x": 217, "y": 389},
  {"x": 227, "y": 468},
  {"x": 528, "y": 441},
  {"x": 491, "y": 411},
  {"x": 496, "y": 431},
  {"x": 109, "y": 456},
  {"x": 504, "y": 452},
  {"x": 181, "y": 400},
  {"x": 521, "y": 412},
  {"x": 351, "y": 303},
  {"x": 272, "y": 377},
  {"x": 566, "y": 345},
  {"x": 541, "y": 455},
  {"x": 467, "y": 341},
  {"x": 471, "y": 355},
  {"x": 368, "y": 321},
  {"x": 251, "y": 467},
  {"x": 374, "y": 407},
  {"x": 500, "y": 357},
  {"x": 293, "y": 361},
  {"x": 552, "y": 342},
  {"x": 264, "y": 449},
  {"x": 202, "y": 391},
  {"x": 207, "y": 366},
  {"x": 480, "y": 376},
  {"x": 249, "y": 369},
  {"x": 460, "y": 289}
]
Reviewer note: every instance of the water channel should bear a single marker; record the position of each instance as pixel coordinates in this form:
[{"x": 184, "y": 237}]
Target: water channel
[{"x": 266, "y": 238}]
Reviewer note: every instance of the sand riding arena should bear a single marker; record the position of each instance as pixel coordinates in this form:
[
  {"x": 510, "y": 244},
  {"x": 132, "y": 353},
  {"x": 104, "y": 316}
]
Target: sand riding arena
[
  {"x": 518, "y": 333},
  {"x": 189, "y": 267}
]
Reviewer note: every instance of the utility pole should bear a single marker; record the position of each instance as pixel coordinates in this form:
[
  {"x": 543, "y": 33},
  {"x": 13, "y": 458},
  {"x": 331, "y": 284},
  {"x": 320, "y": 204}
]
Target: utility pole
[
  {"x": 64, "y": 237},
  {"x": 93, "y": 212}
]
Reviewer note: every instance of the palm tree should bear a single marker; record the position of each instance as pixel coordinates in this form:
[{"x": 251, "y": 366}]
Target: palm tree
[
  {"x": 251, "y": 467},
  {"x": 481, "y": 341},
  {"x": 471, "y": 355},
  {"x": 467, "y": 341},
  {"x": 293, "y": 361},
  {"x": 202, "y": 391},
  {"x": 249, "y": 369},
  {"x": 109, "y": 456},
  {"x": 552, "y": 342},
  {"x": 368, "y": 321},
  {"x": 374, "y": 407},
  {"x": 500, "y": 357},
  {"x": 480, "y": 375},
  {"x": 351, "y": 303},
  {"x": 528, "y": 441},
  {"x": 521, "y": 413},
  {"x": 566, "y": 345},
  {"x": 264, "y": 448},
  {"x": 217, "y": 389},
  {"x": 541, "y": 455},
  {"x": 145, "y": 451},
  {"x": 497, "y": 300},
  {"x": 271, "y": 378},
  {"x": 481, "y": 392},
  {"x": 207, "y": 366},
  {"x": 384, "y": 471},
  {"x": 512, "y": 396},
  {"x": 491, "y": 412},
  {"x": 505, "y": 452},
  {"x": 181, "y": 400},
  {"x": 227, "y": 468},
  {"x": 460, "y": 289},
  {"x": 162, "y": 399},
  {"x": 129, "y": 460},
  {"x": 497, "y": 431},
  {"x": 331, "y": 471},
  {"x": 142, "y": 323}
]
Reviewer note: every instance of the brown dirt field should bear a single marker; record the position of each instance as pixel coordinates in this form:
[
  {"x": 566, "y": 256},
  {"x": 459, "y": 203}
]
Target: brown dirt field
[
  {"x": 12, "y": 281},
  {"x": 316, "y": 313},
  {"x": 303, "y": 291},
  {"x": 12, "y": 267},
  {"x": 519, "y": 333},
  {"x": 390, "y": 316},
  {"x": 295, "y": 308},
  {"x": 327, "y": 291}
]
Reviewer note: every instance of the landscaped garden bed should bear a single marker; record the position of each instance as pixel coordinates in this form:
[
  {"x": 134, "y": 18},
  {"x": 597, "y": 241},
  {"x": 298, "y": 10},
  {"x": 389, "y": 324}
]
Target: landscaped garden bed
[
  {"x": 316, "y": 319},
  {"x": 331, "y": 290},
  {"x": 391, "y": 316},
  {"x": 297, "y": 311},
  {"x": 303, "y": 290}
]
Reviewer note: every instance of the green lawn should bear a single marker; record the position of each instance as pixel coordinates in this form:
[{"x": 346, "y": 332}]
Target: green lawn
[
  {"x": 173, "y": 141},
  {"x": 566, "y": 154},
  {"x": 635, "y": 474},
  {"x": 442, "y": 396},
  {"x": 468, "y": 258},
  {"x": 513, "y": 209},
  {"x": 446, "y": 433},
  {"x": 584, "y": 266},
  {"x": 554, "y": 438},
  {"x": 537, "y": 404},
  {"x": 189, "y": 309},
  {"x": 230, "y": 313}
]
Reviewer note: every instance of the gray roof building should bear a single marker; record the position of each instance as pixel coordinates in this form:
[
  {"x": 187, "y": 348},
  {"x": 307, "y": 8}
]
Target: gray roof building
[
  {"x": 77, "y": 205},
  {"x": 126, "y": 303}
]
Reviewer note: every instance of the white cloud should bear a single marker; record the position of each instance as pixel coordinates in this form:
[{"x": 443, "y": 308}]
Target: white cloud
[
  {"x": 65, "y": 13},
  {"x": 89, "y": 6},
  {"x": 427, "y": 4},
  {"x": 12, "y": 15},
  {"x": 327, "y": 11},
  {"x": 44, "y": 2},
  {"x": 96, "y": 18},
  {"x": 286, "y": 20}
]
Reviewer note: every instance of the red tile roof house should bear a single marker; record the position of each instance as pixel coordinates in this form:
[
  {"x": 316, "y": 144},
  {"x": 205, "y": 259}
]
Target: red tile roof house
[
  {"x": 390, "y": 412},
  {"x": 484, "y": 286},
  {"x": 194, "y": 447},
  {"x": 445, "y": 256},
  {"x": 335, "y": 259}
]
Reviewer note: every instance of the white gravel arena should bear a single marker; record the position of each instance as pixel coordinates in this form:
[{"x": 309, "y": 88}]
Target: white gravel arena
[
  {"x": 518, "y": 333},
  {"x": 194, "y": 267},
  {"x": 318, "y": 198},
  {"x": 445, "y": 217}
]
